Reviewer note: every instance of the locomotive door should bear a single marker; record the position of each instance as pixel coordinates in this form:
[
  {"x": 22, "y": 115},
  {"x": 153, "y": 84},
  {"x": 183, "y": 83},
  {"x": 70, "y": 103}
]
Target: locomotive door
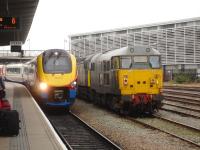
[{"x": 115, "y": 63}]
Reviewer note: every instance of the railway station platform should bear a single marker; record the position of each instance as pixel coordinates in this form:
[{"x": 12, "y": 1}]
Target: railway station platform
[{"x": 36, "y": 132}]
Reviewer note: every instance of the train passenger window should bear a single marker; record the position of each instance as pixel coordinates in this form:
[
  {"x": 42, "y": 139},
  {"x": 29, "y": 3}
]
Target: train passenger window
[
  {"x": 26, "y": 70},
  {"x": 106, "y": 79},
  {"x": 31, "y": 70},
  {"x": 108, "y": 65},
  {"x": 13, "y": 70},
  {"x": 104, "y": 65},
  {"x": 126, "y": 62},
  {"x": 17, "y": 70},
  {"x": 92, "y": 66},
  {"x": 154, "y": 61}
]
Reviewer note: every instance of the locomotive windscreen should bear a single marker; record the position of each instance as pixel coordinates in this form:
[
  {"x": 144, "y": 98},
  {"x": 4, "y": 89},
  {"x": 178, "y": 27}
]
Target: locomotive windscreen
[
  {"x": 140, "y": 62},
  {"x": 57, "y": 61}
]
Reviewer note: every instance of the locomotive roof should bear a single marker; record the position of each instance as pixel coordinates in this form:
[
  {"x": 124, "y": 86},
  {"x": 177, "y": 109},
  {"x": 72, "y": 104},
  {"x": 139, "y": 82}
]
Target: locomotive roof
[{"x": 130, "y": 51}]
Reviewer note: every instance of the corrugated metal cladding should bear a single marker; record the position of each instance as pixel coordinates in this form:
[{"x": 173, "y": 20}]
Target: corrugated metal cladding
[{"x": 178, "y": 41}]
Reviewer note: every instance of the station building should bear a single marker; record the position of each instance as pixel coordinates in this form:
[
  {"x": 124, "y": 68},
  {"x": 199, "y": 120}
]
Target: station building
[{"x": 177, "y": 41}]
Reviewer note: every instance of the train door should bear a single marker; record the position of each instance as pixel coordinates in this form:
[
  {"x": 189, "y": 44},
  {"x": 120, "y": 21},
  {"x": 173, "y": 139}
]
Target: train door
[{"x": 115, "y": 63}]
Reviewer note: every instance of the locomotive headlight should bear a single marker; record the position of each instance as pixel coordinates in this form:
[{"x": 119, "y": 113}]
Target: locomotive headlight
[
  {"x": 125, "y": 80},
  {"x": 152, "y": 81},
  {"x": 73, "y": 84},
  {"x": 43, "y": 86}
]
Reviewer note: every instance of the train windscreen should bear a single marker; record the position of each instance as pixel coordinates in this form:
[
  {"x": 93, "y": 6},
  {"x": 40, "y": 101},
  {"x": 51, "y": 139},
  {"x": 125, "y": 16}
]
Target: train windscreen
[
  {"x": 57, "y": 61},
  {"x": 154, "y": 61},
  {"x": 140, "y": 62}
]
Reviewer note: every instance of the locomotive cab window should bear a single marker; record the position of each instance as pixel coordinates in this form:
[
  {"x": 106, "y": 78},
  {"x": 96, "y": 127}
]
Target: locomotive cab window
[
  {"x": 126, "y": 62},
  {"x": 140, "y": 62},
  {"x": 154, "y": 61},
  {"x": 115, "y": 63}
]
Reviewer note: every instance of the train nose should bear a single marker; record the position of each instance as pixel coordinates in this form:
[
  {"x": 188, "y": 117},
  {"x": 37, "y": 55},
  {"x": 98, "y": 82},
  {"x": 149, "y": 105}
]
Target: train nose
[{"x": 58, "y": 94}]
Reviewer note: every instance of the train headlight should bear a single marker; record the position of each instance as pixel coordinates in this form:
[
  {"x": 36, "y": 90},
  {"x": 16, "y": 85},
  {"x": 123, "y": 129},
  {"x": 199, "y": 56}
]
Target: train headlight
[
  {"x": 125, "y": 80},
  {"x": 73, "y": 84},
  {"x": 43, "y": 86},
  {"x": 153, "y": 81}
]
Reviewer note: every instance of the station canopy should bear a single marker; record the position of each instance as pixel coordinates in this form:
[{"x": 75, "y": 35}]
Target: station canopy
[{"x": 16, "y": 17}]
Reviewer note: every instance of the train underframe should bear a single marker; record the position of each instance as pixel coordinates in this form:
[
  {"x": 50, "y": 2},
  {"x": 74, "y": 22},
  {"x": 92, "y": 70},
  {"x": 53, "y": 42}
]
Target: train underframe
[{"x": 124, "y": 104}]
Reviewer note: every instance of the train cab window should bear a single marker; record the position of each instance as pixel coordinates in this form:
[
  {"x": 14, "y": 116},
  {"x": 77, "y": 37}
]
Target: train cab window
[
  {"x": 140, "y": 62},
  {"x": 115, "y": 63},
  {"x": 126, "y": 62},
  {"x": 106, "y": 78},
  {"x": 154, "y": 61},
  {"x": 57, "y": 62}
]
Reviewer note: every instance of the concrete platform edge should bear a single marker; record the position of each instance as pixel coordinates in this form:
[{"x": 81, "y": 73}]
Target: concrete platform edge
[{"x": 49, "y": 124}]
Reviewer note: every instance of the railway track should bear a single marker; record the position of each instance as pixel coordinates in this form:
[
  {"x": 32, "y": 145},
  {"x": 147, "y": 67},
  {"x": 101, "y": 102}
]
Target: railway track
[
  {"x": 183, "y": 88},
  {"x": 179, "y": 130},
  {"x": 182, "y": 100},
  {"x": 180, "y": 112},
  {"x": 77, "y": 134}
]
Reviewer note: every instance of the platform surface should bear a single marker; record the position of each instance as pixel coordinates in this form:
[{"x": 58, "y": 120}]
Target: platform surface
[{"x": 35, "y": 132}]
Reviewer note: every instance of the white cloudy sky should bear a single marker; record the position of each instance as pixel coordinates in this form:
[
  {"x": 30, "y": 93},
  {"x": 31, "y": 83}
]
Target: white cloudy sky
[{"x": 55, "y": 20}]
